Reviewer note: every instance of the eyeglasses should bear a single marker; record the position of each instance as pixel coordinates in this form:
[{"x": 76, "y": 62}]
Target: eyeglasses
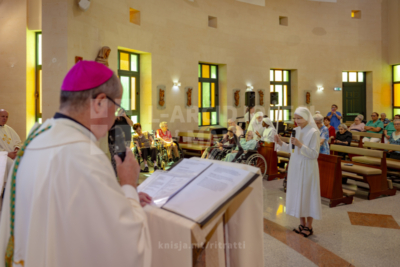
[
  {"x": 397, "y": 124},
  {"x": 118, "y": 107}
]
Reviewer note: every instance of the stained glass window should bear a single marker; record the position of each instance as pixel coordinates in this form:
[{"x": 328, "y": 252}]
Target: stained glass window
[
  {"x": 208, "y": 94},
  {"x": 280, "y": 83}
]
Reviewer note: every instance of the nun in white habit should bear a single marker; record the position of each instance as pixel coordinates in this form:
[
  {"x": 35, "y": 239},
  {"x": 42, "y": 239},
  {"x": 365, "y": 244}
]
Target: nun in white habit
[
  {"x": 269, "y": 132},
  {"x": 256, "y": 125},
  {"x": 303, "y": 196}
]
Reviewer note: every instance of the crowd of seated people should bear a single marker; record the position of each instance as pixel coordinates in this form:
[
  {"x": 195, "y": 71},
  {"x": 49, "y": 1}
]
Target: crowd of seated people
[
  {"x": 343, "y": 136},
  {"x": 239, "y": 130},
  {"x": 165, "y": 136},
  {"x": 395, "y": 139},
  {"x": 144, "y": 146},
  {"x": 247, "y": 143}
]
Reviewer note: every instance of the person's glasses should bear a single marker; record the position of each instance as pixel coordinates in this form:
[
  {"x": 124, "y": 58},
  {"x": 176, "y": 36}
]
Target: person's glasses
[
  {"x": 397, "y": 124},
  {"x": 373, "y": 115},
  {"x": 118, "y": 107}
]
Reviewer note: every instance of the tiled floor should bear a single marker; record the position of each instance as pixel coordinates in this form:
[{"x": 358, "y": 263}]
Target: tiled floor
[{"x": 369, "y": 240}]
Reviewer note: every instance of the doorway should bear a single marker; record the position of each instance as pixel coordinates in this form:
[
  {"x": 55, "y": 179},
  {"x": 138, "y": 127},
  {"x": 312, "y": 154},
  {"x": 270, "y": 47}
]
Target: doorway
[{"x": 354, "y": 95}]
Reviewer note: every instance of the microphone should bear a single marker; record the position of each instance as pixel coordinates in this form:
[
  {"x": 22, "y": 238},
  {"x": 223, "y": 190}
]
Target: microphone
[{"x": 293, "y": 135}]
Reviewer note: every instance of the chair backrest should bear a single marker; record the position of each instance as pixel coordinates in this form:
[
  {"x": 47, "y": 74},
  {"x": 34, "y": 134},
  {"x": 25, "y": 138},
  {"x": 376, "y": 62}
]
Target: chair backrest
[
  {"x": 381, "y": 146},
  {"x": 358, "y": 151},
  {"x": 365, "y": 134}
]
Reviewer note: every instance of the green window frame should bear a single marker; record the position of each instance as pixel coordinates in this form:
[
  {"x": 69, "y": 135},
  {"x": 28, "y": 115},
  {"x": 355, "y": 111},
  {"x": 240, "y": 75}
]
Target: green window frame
[
  {"x": 38, "y": 77},
  {"x": 208, "y": 94},
  {"x": 129, "y": 75},
  {"x": 395, "y": 90},
  {"x": 280, "y": 83}
]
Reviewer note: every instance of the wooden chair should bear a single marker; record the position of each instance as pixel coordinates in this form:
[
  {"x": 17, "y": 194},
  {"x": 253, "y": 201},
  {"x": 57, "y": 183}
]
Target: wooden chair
[
  {"x": 330, "y": 176},
  {"x": 374, "y": 175}
]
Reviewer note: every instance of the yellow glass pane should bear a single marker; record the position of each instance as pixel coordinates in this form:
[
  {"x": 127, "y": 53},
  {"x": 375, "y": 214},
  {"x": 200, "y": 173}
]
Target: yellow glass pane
[
  {"x": 124, "y": 61},
  {"x": 397, "y": 95},
  {"x": 213, "y": 95},
  {"x": 199, "y": 95},
  {"x": 271, "y": 88},
  {"x": 206, "y": 118},
  {"x": 206, "y": 71},
  {"x": 40, "y": 91},
  {"x": 133, "y": 93},
  {"x": 278, "y": 75},
  {"x": 352, "y": 76},
  {"x": 285, "y": 95},
  {"x": 396, "y": 73}
]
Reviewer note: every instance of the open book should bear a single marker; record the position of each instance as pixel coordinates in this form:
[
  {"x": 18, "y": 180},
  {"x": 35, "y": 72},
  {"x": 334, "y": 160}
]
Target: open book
[{"x": 196, "y": 189}]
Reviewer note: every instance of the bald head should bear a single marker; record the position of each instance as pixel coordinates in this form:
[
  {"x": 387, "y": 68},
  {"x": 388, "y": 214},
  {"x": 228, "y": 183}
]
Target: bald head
[{"x": 3, "y": 117}]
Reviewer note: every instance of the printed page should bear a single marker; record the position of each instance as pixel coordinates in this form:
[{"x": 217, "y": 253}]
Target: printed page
[
  {"x": 208, "y": 191},
  {"x": 162, "y": 185}
]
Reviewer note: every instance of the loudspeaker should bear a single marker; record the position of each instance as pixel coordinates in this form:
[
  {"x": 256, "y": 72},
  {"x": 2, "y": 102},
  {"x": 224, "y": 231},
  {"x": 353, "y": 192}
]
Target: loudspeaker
[
  {"x": 250, "y": 99},
  {"x": 274, "y": 98}
]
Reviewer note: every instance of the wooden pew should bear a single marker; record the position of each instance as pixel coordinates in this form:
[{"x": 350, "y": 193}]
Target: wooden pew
[
  {"x": 330, "y": 176},
  {"x": 393, "y": 165},
  {"x": 361, "y": 135},
  {"x": 374, "y": 176},
  {"x": 267, "y": 150},
  {"x": 194, "y": 143}
]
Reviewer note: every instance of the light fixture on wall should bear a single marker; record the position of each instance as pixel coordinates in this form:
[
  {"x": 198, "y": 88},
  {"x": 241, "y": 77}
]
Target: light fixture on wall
[
  {"x": 249, "y": 88},
  {"x": 320, "y": 88},
  {"x": 177, "y": 84},
  {"x": 84, "y": 4}
]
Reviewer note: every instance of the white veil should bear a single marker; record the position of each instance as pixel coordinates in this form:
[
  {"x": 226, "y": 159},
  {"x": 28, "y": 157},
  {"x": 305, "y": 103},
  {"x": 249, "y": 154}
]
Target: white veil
[
  {"x": 269, "y": 122},
  {"x": 254, "y": 122},
  {"x": 306, "y": 114}
]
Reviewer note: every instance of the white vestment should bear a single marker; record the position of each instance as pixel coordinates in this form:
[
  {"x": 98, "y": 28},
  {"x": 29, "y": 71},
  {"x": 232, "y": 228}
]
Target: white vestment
[
  {"x": 303, "y": 195},
  {"x": 70, "y": 210},
  {"x": 9, "y": 141},
  {"x": 256, "y": 126},
  {"x": 269, "y": 132}
]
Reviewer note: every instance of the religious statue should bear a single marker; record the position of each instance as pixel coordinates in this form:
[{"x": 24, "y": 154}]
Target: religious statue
[
  {"x": 189, "y": 97},
  {"x": 308, "y": 98},
  {"x": 161, "y": 102},
  {"x": 237, "y": 97},
  {"x": 261, "y": 94},
  {"x": 102, "y": 57}
]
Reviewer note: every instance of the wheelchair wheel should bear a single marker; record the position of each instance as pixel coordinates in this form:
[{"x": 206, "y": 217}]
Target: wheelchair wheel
[{"x": 258, "y": 161}]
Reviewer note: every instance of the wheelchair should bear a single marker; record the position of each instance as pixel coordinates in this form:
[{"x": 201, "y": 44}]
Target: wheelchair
[
  {"x": 253, "y": 158},
  {"x": 162, "y": 154}
]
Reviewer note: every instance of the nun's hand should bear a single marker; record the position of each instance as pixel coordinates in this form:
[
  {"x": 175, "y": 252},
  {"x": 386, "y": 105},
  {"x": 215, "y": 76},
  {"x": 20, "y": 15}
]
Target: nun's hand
[
  {"x": 296, "y": 142},
  {"x": 278, "y": 140},
  {"x": 258, "y": 134}
]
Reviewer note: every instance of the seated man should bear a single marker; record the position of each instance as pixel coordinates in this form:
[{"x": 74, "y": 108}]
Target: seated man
[
  {"x": 373, "y": 126},
  {"x": 389, "y": 129},
  {"x": 165, "y": 136},
  {"x": 227, "y": 142},
  {"x": 239, "y": 130},
  {"x": 247, "y": 144},
  {"x": 143, "y": 142},
  {"x": 9, "y": 142}
]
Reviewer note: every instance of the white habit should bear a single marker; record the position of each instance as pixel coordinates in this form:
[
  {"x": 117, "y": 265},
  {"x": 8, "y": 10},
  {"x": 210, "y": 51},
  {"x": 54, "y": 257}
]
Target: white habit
[
  {"x": 70, "y": 209},
  {"x": 303, "y": 195},
  {"x": 256, "y": 126},
  {"x": 270, "y": 132},
  {"x": 9, "y": 141}
]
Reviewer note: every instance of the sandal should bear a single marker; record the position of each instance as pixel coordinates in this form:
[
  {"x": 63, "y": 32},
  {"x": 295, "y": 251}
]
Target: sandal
[
  {"x": 301, "y": 227},
  {"x": 307, "y": 229}
]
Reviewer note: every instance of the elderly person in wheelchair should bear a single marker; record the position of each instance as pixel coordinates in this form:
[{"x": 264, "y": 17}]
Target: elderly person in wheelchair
[
  {"x": 143, "y": 145},
  {"x": 166, "y": 138},
  {"x": 227, "y": 142},
  {"x": 247, "y": 144}
]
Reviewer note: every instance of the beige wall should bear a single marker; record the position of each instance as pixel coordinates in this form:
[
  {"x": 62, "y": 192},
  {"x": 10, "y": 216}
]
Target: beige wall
[
  {"x": 13, "y": 62},
  {"x": 321, "y": 41}
]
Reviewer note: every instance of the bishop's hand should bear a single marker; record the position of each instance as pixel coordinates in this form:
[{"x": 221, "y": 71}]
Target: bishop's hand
[
  {"x": 144, "y": 199},
  {"x": 128, "y": 170}
]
